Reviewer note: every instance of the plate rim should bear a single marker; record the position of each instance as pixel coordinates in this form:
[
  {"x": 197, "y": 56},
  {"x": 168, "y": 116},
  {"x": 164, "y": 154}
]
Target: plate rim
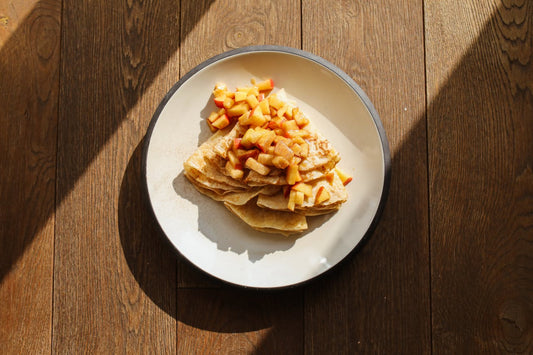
[{"x": 335, "y": 70}]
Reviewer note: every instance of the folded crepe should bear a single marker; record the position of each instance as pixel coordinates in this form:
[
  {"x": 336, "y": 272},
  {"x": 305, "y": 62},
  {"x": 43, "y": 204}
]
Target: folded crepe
[
  {"x": 267, "y": 220},
  {"x": 261, "y": 199},
  {"x": 335, "y": 188}
]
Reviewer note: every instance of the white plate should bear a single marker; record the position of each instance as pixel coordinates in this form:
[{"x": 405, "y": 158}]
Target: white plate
[{"x": 216, "y": 241}]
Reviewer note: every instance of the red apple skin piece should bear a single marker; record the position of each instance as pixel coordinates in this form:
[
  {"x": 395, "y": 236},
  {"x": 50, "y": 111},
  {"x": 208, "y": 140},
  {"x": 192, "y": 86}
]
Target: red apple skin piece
[
  {"x": 286, "y": 191},
  {"x": 321, "y": 195},
  {"x": 237, "y": 143},
  {"x": 219, "y": 101},
  {"x": 221, "y": 122},
  {"x": 345, "y": 178},
  {"x": 265, "y": 85}
]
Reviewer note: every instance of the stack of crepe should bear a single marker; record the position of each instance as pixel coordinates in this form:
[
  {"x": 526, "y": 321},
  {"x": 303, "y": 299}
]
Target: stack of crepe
[{"x": 261, "y": 200}]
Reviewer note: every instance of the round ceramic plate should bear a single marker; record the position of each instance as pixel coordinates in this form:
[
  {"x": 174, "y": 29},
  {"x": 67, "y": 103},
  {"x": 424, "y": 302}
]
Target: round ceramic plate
[{"x": 209, "y": 235}]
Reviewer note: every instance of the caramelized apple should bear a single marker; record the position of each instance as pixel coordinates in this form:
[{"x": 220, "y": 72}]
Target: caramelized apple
[
  {"x": 256, "y": 166},
  {"x": 321, "y": 195},
  {"x": 345, "y": 178}
]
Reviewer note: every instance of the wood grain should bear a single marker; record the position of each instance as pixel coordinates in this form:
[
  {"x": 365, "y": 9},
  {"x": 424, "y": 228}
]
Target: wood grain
[
  {"x": 378, "y": 302},
  {"x": 29, "y": 87},
  {"x": 480, "y": 129},
  {"x": 114, "y": 279},
  {"x": 220, "y": 319},
  {"x": 234, "y": 321},
  {"x": 210, "y": 29}
]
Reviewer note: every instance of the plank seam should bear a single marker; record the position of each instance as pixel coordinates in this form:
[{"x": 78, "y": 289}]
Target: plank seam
[
  {"x": 427, "y": 178},
  {"x": 60, "y": 63}
]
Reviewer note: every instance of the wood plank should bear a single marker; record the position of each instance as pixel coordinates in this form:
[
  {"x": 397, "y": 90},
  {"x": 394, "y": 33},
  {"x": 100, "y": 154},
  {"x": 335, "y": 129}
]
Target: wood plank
[
  {"x": 29, "y": 75},
  {"x": 210, "y": 29},
  {"x": 233, "y": 321},
  {"x": 220, "y": 318},
  {"x": 480, "y": 129},
  {"x": 114, "y": 278},
  {"x": 378, "y": 302}
]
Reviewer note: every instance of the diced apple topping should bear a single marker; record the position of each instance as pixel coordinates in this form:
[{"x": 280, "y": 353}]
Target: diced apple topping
[
  {"x": 265, "y": 107},
  {"x": 235, "y": 173},
  {"x": 283, "y": 150},
  {"x": 252, "y": 101},
  {"x": 299, "y": 198},
  {"x": 265, "y": 85},
  {"x": 256, "y": 117},
  {"x": 306, "y": 189},
  {"x": 289, "y": 125},
  {"x": 265, "y": 140},
  {"x": 228, "y": 102},
  {"x": 250, "y": 138},
  {"x": 321, "y": 195},
  {"x": 238, "y": 109},
  {"x": 292, "y": 200},
  {"x": 330, "y": 177},
  {"x": 221, "y": 122},
  {"x": 293, "y": 175},
  {"x": 219, "y": 101},
  {"x": 240, "y": 96},
  {"x": 280, "y": 162},
  {"x": 275, "y": 140},
  {"x": 256, "y": 166},
  {"x": 265, "y": 158},
  {"x": 233, "y": 159},
  {"x": 345, "y": 178},
  {"x": 213, "y": 117},
  {"x": 275, "y": 102}
]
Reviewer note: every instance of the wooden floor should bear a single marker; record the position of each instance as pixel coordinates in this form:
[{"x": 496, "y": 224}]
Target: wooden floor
[{"x": 83, "y": 267}]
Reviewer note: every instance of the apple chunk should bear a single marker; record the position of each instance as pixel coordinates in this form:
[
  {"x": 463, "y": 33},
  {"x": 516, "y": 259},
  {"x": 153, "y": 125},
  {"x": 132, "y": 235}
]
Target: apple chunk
[
  {"x": 221, "y": 122},
  {"x": 240, "y": 96},
  {"x": 265, "y": 140},
  {"x": 256, "y": 117},
  {"x": 265, "y": 107},
  {"x": 306, "y": 189},
  {"x": 321, "y": 195},
  {"x": 219, "y": 101},
  {"x": 265, "y": 85},
  {"x": 237, "y": 110},
  {"x": 265, "y": 158},
  {"x": 283, "y": 150},
  {"x": 251, "y": 136},
  {"x": 295, "y": 198},
  {"x": 235, "y": 173},
  {"x": 345, "y": 178},
  {"x": 293, "y": 175},
  {"x": 256, "y": 166},
  {"x": 280, "y": 162},
  {"x": 252, "y": 101}
]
